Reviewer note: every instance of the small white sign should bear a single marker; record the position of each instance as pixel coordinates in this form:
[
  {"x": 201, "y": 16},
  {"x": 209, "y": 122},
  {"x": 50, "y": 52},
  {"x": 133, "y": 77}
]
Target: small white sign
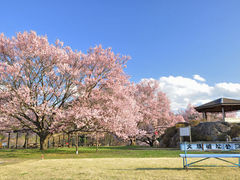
[{"x": 185, "y": 131}]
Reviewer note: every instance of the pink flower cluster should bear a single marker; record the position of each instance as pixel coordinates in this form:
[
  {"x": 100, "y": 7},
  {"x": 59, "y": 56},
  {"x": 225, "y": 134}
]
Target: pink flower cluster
[{"x": 49, "y": 88}]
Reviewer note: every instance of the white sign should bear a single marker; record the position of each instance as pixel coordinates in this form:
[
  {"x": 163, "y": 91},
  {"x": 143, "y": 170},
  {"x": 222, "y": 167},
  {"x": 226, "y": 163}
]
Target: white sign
[{"x": 185, "y": 131}]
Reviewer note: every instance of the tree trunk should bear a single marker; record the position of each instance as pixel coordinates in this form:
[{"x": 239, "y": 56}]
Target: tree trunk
[
  {"x": 26, "y": 141},
  {"x": 110, "y": 139},
  {"x": 59, "y": 141},
  {"x": 151, "y": 141},
  {"x": 68, "y": 140},
  {"x": 48, "y": 143},
  {"x": 8, "y": 144},
  {"x": 72, "y": 140},
  {"x": 76, "y": 143},
  {"x": 17, "y": 140},
  {"x": 84, "y": 141},
  {"x": 43, "y": 141},
  {"x": 132, "y": 142},
  {"x": 97, "y": 142},
  {"x": 53, "y": 143},
  {"x": 63, "y": 142},
  {"x": 36, "y": 142}
]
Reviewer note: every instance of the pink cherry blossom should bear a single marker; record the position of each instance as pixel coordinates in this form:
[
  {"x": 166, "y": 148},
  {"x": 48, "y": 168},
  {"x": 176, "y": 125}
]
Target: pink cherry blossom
[{"x": 154, "y": 108}]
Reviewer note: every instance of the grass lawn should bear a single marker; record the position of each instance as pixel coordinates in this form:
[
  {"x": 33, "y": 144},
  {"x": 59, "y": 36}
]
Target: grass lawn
[
  {"x": 90, "y": 152},
  {"x": 107, "y": 163},
  {"x": 112, "y": 168}
]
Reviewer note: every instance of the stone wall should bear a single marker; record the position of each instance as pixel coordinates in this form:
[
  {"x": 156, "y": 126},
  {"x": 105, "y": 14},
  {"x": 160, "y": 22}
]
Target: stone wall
[{"x": 204, "y": 131}]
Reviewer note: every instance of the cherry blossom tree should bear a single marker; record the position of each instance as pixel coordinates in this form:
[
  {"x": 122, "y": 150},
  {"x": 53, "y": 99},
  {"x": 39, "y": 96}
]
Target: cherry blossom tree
[
  {"x": 105, "y": 101},
  {"x": 36, "y": 80},
  {"x": 48, "y": 88},
  {"x": 155, "y": 111},
  {"x": 191, "y": 114}
]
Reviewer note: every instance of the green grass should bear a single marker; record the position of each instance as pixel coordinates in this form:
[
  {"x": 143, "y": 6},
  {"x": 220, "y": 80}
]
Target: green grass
[
  {"x": 114, "y": 168},
  {"x": 90, "y": 152},
  {"x": 122, "y": 162}
]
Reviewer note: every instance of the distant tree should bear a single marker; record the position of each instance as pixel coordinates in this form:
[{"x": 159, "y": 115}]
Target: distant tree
[
  {"x": 113, "y": 111},
  {"x": 190, "y": 114},
  {"x": 154, "y": 108},
  {"x": 218, "y": 116}
]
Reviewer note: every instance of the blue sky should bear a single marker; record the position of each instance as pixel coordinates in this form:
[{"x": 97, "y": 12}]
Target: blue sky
[{"x": 164, "y": 37}]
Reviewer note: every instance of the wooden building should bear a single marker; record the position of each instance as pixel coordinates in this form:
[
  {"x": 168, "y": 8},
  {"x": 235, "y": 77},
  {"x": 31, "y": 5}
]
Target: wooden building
[{"x": 221, "y": 105}]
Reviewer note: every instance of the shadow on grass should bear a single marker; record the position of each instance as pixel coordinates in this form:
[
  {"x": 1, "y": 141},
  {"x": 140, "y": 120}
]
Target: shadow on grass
[
  {"x": 154, "y": 169},
  {"x": 10, "y": 161},
  {"x": 136, "y": 148},
  {"x": 37, "y": 151},
  {"x": 178, "y": 169}
]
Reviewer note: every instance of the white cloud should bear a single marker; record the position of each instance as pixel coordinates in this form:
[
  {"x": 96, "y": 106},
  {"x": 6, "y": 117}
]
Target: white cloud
[
  {"x": 199, "y": 78},
  {"x": 181, "y": 90}
]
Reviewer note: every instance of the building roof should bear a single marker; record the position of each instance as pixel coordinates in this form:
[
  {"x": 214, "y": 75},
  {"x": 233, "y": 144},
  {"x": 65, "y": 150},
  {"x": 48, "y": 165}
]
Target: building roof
[{"x": 216, "y": 105}]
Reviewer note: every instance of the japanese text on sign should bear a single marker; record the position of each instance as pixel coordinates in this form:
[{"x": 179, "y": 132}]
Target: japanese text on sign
[{"x": 211, "y": 146}]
